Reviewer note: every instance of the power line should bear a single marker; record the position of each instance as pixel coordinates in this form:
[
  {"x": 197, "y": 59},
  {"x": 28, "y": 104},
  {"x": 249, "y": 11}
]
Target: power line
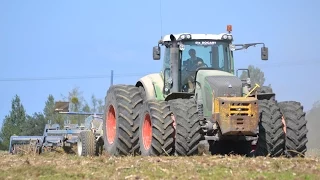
[
  {"x": 71, "y": 77},
  {"x": 273, "y": 65}
]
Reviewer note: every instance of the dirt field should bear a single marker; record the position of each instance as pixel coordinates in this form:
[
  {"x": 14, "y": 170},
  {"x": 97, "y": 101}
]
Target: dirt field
[{"x": 62, "y": 166}]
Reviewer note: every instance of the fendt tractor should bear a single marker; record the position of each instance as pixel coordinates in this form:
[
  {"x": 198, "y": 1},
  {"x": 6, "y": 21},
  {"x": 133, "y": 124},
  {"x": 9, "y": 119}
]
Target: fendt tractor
[{"x": 199, "y": 98}]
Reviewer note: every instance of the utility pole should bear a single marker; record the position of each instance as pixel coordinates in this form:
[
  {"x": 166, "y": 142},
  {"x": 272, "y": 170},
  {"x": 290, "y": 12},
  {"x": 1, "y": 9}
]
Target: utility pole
[{"x": 111, "y": 78}]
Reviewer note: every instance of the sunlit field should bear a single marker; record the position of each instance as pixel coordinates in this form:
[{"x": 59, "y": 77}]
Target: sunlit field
[{"x": 58, "y": 165}]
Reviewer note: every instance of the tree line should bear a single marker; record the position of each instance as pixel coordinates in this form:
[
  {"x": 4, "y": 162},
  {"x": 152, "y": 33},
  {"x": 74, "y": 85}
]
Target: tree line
[{"x": 19, "y": 123}]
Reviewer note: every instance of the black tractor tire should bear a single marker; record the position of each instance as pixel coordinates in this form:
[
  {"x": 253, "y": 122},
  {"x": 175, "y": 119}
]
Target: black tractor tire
[
  {"x": 271, "y": 141},
  {"x": 188, "y": 132},
  {"x": 99, "y": 146},
  {"x": 265, "y": 89},
  {"x": 121, "y": 120},
  {"x": 265, "y": 92},
  {"x": 296, "y": 128},
  {"x": 156, "y": 135},
  {"x": 86, "y": 145}
]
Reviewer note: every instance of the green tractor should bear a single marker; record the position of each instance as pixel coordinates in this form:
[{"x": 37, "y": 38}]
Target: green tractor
[{"x": 198, "y": 98}]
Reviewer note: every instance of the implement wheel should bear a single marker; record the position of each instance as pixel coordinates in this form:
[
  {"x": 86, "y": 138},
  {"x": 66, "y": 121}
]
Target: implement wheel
[
  {"x": 86, "y": 145},
  {"x": 121, "y": 122}
]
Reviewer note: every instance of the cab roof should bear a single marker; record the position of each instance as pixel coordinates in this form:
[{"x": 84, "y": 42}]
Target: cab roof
[{"x": 181, "y": 36}]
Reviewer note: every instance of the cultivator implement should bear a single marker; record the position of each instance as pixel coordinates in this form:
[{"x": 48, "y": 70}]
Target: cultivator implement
[
  {"x": 87, "y": 137},
  {"x": 25, "y": 144}
]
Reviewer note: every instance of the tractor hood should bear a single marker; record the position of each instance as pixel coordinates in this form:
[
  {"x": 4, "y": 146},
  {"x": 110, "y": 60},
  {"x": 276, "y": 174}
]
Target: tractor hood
[
  {"x": 215, "y": 83},
  {"x": 224, "y": 86}
]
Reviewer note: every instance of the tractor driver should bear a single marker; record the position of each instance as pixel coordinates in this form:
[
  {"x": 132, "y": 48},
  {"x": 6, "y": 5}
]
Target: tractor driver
[{"x": 189, "y": 68}]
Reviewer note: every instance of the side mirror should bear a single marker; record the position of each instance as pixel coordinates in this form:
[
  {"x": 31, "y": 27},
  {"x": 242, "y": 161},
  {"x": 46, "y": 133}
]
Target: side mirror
[
  {"x": 156, "y": 52},
  {"x": 264, "y": 53}
]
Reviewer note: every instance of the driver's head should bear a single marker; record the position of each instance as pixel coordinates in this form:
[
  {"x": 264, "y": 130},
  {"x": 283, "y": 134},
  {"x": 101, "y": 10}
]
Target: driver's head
[{"x": 192, "y": 53}]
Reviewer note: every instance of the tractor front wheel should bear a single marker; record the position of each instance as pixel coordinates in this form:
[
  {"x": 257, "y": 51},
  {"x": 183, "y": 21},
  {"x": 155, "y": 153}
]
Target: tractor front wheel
[
  {"x": 271, "y": 139},
  {"x": 188, "y": 130},
  {"x": 121, "y": 122},
  {"x": 156, "y": 135}
]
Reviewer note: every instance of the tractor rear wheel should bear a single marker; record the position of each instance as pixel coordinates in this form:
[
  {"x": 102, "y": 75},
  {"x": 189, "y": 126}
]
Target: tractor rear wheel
[
  {"x": 187, "y": 127},
  {"x": 271, "y": 139},
  {"x": 156, "y": 135},
  {"x": 265, "y": 89},
  {"x": 295, "y": 128},
  {"x": 86, "y": 145},
  {"x": 121, "y": 122}
]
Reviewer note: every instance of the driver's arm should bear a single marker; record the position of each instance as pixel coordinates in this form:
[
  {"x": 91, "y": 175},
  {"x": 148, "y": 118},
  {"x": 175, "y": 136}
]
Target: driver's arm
[{"x": 201, "y": 62}]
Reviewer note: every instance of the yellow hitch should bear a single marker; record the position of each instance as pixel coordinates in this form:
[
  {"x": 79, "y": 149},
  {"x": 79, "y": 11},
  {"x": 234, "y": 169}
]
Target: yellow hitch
[{"x": 255, "y": 87}]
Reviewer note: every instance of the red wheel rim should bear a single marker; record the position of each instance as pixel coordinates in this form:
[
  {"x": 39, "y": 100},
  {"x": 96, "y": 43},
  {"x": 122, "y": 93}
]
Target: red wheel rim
[
  {"x": 111, "y": 124},
  {"x": 147, "y": 132}
]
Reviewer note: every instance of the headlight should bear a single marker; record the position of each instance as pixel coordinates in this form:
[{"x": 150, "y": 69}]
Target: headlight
[
  {"x": 230, "y": 37},
  {"x": 185, "y": 36},
  {"x": 181, "y": 47},
  {"x": 232, "y": 47},
  {"x": 224, "y": 36}
]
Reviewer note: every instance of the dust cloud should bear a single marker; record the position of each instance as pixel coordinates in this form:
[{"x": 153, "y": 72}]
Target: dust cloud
[{"x": 313, "y": 125}]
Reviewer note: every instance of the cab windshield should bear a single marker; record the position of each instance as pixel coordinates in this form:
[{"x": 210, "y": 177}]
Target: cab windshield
[
  {"x": 196, "y": 54},
  {"x": 212, "y": 54}
]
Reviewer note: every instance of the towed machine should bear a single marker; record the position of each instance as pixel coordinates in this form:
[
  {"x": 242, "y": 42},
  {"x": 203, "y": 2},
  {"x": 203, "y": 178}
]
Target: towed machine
[
  {"x": 198, "y": 97},
  {"x": 85, "y": 137},
  {"x": 88, "y": 137}
]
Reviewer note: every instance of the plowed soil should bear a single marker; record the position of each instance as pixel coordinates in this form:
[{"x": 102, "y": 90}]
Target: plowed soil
[{"x": 66, "y": 166}]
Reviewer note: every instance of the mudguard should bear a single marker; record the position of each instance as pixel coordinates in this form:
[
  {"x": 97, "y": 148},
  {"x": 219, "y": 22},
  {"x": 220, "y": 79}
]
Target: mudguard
[{"x": 153, "y": 86}]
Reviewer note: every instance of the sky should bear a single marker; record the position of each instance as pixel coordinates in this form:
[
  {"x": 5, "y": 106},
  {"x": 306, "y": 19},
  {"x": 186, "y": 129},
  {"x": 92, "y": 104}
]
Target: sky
[{"x": 40, "y": 39}]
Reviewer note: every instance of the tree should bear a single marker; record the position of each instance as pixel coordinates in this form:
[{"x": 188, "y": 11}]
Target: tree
[
  {"x": 256, "y": 75},
  {"x": 77, "y": 104},
  {"x": 100, "y": 106},
  {"x": 94, "y": 102},
  {"x": 76, "y": 98},
  {"x": 34, "y": 125},
  {"x": 13, "y": 123},
  {"x": 50, "y": 114},
  {"x": 2, "y": 146},
  {"x": 97, "y": 104},
  {"x": 86, "y": 107}
]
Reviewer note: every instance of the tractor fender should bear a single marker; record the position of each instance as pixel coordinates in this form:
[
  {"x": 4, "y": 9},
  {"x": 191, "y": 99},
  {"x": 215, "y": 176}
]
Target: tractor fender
[{"x": 153, "y": 86}]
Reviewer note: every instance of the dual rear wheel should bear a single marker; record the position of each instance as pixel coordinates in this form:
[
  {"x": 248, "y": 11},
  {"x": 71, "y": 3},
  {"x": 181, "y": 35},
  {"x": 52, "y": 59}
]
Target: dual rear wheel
[
  {"x": 133, "y": 126},
  {"x": 295, "y": 128},
  {"x": 149, "y": 128},
  {"x": 282, "y": 129}
]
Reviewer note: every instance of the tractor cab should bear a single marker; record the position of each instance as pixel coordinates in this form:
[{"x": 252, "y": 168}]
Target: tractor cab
[{"x": 185, "y": 54}]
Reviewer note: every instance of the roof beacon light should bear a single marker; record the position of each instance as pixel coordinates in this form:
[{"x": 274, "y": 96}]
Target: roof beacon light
[{"x": 229, "y": 28}]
